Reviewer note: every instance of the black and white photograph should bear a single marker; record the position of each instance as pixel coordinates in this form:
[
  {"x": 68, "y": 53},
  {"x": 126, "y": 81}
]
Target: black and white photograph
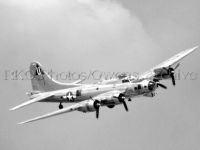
[{"x": 99, "y": 74}]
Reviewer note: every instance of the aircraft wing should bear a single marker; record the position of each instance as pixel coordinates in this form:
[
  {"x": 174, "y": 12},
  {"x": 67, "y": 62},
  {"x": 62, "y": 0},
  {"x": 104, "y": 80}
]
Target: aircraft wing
[
  {"x": 168, "y": 63},
  {"x": 102, "y": 97},
  {"x": 108, "y": 95},
  {"x": 41, "y": 97},
  {"x": 78, "y": 81},
  {"x": 58, "y": 112}
]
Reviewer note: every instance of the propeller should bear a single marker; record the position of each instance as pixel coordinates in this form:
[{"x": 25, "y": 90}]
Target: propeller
[
  {"x": 122, "y": 100},
  {"x": 171, "y": 73},
  {"x": 161, "y": 85},
  {"x": 177, "y": 66},
  {"x": 125, "y": 105},
  {"x": 97, "y": 106},
  {"x": 158, "y": 84}
]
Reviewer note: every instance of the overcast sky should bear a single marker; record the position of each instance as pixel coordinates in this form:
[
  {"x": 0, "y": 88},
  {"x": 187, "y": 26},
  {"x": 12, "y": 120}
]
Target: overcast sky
[{"x": 110, "y": 36}]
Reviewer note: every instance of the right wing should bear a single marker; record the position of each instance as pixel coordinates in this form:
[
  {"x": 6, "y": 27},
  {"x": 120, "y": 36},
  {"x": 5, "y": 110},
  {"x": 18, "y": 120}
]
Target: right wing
[
  {"x": 122, "y": 78},
  {"x": 166, "y": 64}
]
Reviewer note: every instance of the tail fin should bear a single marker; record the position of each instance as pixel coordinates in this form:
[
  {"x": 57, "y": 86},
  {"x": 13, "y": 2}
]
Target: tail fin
[{"x": 42, "y": 82}]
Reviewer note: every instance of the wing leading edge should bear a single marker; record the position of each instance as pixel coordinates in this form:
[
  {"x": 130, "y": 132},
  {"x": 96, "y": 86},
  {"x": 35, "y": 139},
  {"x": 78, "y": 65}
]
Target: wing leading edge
[
  {"x": 168, "y": 63},
  {"x": 54, "y": 113}
]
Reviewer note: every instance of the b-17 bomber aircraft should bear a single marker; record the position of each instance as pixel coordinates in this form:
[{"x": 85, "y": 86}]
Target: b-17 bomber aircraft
[
  {"x": 44, "y": 87},
  {"x": 90, "y": 97}
]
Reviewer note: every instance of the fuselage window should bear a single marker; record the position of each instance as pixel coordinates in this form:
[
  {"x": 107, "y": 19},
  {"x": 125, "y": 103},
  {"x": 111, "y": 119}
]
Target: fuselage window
[
  {"x": 78, "y": 93},
  {"x": 125, "y": 80}
]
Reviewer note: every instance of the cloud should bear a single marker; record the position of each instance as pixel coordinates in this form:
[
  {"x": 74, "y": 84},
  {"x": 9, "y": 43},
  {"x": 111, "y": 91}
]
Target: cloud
[
  {"x": 30, "y": 4},
  {"x": 101, "y": 28}
]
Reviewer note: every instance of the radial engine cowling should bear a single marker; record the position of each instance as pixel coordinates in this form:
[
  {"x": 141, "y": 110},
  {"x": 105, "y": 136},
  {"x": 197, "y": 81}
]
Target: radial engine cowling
[
  {"x": 151, "y": 85},
  {"x": 89, "y": 106}
]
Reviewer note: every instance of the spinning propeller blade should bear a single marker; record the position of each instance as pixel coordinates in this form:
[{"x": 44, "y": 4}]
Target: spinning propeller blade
[
  {"x": 97, "y": 107},
  {"x": 122, "y": 100},
  {"x": 97, "y": 110},
  {"x": 125, "y": 105},
  {"x": 171, "y": 73},
  {"x": 176, "y": 66},
  {"x": 161, "y": 85}
]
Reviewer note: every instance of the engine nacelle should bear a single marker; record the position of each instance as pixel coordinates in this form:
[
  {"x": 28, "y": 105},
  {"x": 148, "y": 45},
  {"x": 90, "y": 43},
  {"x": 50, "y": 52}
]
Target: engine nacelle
[
  {"x": 89, "y": 106},
  {"x": 111, "y": 106},
  {"x": 151, "y": 94},
  {"x": 162, "y": 73},
  {"x": 144, "y": 86}
]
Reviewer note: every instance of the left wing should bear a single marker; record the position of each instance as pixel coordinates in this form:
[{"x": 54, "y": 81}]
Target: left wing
[
  {"x": 108, "y": 95},
  {"x": 105, "y": 99},
  {"x": 58, "y": 112},
  {"x": 167, "y": 64}
]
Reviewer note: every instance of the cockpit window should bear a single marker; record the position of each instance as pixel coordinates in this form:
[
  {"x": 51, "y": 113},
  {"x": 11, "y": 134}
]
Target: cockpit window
[{"x": 125, "y": 81}]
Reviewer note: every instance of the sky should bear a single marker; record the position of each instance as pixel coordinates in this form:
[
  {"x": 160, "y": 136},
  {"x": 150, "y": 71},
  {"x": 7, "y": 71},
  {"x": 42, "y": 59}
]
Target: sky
[{"x": 108, "y": 36}]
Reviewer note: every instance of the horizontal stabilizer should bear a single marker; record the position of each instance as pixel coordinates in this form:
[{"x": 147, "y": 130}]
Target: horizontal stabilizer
[{"x": 37, "y": 99}]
